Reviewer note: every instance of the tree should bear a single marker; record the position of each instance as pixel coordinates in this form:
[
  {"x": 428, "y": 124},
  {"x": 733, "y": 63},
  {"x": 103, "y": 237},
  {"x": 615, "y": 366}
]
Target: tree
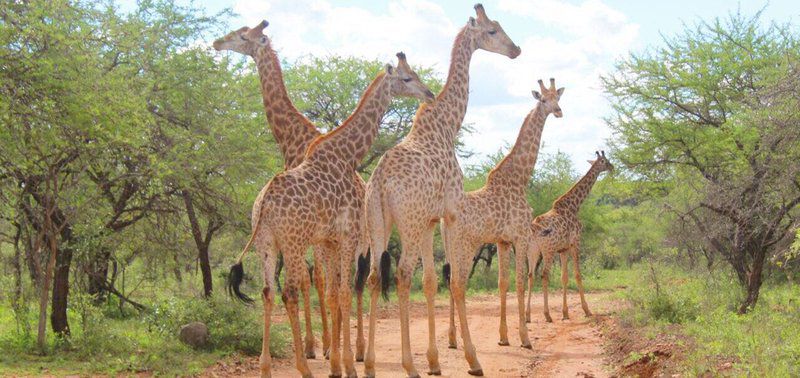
[
  {"x": 715, "y": 110},
  {"x": 327, "y": 91}
]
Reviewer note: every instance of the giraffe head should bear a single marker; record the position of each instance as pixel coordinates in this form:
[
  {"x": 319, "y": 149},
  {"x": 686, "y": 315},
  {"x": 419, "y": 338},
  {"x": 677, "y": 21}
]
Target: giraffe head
[
  {"x": 601, "y": 162},
  {"x": 405, "y": 82},
  {"x": 490, "y": 36},
  {"x": 548, "y": 98},
  {"x": 244, "y": 40}
]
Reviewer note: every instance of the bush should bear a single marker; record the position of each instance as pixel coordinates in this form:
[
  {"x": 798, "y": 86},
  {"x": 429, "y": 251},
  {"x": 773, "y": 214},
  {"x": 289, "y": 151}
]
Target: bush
[{"x": 232, "y": 327}]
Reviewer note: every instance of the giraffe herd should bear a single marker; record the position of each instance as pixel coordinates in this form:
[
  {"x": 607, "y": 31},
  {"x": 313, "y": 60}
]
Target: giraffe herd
[{"x": 320, "y": 202}]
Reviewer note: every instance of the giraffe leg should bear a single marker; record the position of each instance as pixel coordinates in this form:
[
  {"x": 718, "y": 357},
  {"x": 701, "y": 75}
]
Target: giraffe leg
[
  {"x": 564, "y": 281},
  {"x": 309, "y": 339},
  {"x": 405, "y": 270},
  {"x": 459, "y": 279},
  {"x": 579, "y": 280},
  {"x": 503, "y": 250},
  {"x": 548, "y": 260},
  {"x": 430, "y": 286},
  {"x": 451, "y": 331},
  {"x": 268, "y": 296},
  {"x": 345, "y": 300},
  {"x": 522, "y": 251},
  {"x": 295, "y": 263},
  {"x": 533, "y": 260},
  {"x": 374, "y": 289},
  {"x": 332, "y": 294},
  {"x": 319, "y": 284},
  {"x": 360, "y": 344}
]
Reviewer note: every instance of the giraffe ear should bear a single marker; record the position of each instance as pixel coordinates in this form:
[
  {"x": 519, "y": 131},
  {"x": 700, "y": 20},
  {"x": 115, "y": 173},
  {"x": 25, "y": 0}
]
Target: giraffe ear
[
  {"x": 389, "y": 69},
  {"x": 560, "y": 91},
  {"x": 590, "y": 161},
  {"x": 536, "y": 95}
]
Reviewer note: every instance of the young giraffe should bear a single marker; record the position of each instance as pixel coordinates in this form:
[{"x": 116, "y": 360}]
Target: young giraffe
[
  {"x": 293, "y": 133},
  {"x": 417, "y": 182},
  {"x": 559, "y": 231},
  {"x": 499, "y": 213},
  {"x": 317, "y": 203}
]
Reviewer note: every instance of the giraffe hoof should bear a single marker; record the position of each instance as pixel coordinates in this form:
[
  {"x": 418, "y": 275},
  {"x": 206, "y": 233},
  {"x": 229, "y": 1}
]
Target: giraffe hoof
[
  {"x": 311, "y": 355},
  {"x": 359, "y": 358},
  {"x": 437, "y": 372},
  {"x": 334, "y": 376},
  {"x": 528, "y": 320},
  {"x": 527, "y": 346},
  {"x": 566, "y": 317},
  {"x": 327, "y": 354},
  {"x": 476, "y": 372},
  {"x": 548, "y": 319},
  {"x": 503, "y": 343},
  {"x": 452, "y": 346},
  {"x": 415, "y": 375}
]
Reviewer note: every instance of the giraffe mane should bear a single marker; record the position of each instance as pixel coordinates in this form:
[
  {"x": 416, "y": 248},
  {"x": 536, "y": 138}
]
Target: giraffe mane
[{"x": 316, "y": 142}]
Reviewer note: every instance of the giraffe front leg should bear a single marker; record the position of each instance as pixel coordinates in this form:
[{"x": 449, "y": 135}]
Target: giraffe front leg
[
  {"x": 430, "y": 286},
  {"x": 522, "y": 250},
  {"x": 294, "y": 279},
  {"x": 319, "y": 285},
  {"x": 345, "y": 305},
  {"x": 548, "y": 259},
  {"x": 332, "y": 291},
  {"x": 564, "y": 281},
  {"x": 268, "y": 296},
  {"x": 503, "y": 250},
  {"x": 458, "y": 286},
  {"x": 404, "y": 272},
  {"x": 373, "y": 282},
  {"x": 360, "y": 344},
  {"x": 309, "y": 340},
  {"x": 579, "y": 281},
  {"x": 451, "y": 331}
]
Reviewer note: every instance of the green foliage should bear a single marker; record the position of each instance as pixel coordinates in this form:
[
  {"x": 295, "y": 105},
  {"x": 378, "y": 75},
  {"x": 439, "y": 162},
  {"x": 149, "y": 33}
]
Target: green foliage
[{"x": 764, "y": 342}]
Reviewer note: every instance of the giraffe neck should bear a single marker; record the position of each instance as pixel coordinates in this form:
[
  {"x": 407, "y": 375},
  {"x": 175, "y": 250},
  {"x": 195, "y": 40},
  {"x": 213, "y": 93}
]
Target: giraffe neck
[
  {"x": 291, "y": 129},
  {"x": 516, "y": 168},
  {"x": 451, "y": 103},
  {"x": 351, "y": 141},
  {"x": 575, "y": 196}
]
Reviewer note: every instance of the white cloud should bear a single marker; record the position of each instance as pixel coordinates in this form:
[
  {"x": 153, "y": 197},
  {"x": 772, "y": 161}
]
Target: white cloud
[{"x": 573, "y": 43}]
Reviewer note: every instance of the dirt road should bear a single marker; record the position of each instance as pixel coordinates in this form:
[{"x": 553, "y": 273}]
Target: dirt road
[{"x": 570, "y": 348}]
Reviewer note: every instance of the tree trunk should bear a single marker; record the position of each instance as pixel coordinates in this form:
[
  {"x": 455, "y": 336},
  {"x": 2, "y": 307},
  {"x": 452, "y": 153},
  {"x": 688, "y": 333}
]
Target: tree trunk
[
  {"x": 97, "y": 272},
  {"x": 201, "y": 243},
  {"x": 754, "y": 281},
  {"x": 58, "y": 316}
]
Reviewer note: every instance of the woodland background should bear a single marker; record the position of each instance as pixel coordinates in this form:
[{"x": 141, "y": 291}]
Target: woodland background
[{"x": 130, "y": 155}]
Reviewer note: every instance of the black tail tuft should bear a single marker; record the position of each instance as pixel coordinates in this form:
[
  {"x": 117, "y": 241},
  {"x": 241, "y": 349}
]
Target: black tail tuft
[
  {"x": 235, "y": 278},
  {"x": 361, "y": 272},
  {"x": 386, "y": 274},
  {"x": 446, "y": 274}
]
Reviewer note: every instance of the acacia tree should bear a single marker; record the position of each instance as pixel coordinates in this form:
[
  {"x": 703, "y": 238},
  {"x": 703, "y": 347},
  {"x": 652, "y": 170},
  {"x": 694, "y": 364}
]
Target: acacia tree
[{"x": 715, "y": 110}]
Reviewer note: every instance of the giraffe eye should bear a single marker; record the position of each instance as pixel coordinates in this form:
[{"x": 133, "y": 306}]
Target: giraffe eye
[
  {"x": 407, "y": 80},
  {"x": 492, "y": 32}
]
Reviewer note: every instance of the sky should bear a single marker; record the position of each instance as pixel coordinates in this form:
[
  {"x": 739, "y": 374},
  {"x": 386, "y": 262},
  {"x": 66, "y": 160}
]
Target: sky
[{"x": 574, "y": 42}]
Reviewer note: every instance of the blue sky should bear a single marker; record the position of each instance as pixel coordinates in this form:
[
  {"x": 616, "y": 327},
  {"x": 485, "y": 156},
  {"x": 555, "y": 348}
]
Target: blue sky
[{"x": 572, "y": 41}]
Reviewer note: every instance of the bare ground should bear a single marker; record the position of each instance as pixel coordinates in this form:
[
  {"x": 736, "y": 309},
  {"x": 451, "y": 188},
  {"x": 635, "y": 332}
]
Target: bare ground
[{"x": 564, "y": 348}]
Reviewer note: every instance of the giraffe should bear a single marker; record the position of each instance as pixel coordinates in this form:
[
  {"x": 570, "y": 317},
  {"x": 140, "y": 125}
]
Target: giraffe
[
  {"x": 293, "y": 132},
  {"x": 317, "y": 203},
  {"x": 416, "y": 183},
  {"x": 559, "y": 231},
  {"x": 499, "y": 213}
]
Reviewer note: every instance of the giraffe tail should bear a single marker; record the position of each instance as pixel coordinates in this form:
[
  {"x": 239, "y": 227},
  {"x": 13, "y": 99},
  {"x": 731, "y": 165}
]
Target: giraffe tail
[
  {"x": 362, "y": 271},
  {"x": 446, "y": 274},
  {"x": 236, "y": 273},
  {"x": 386, "y": 274}
]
